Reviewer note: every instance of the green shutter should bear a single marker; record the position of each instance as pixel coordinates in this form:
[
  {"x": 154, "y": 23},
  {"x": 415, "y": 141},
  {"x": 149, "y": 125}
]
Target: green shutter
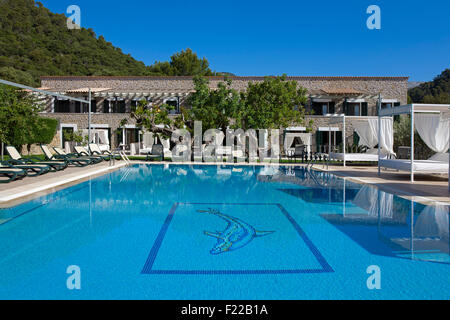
[
  {"x": 345, "y": 107},
  {"x": 355, "y": 138},
  {"x": 364, "y": 111},
  {"x": 339, "y": 139},
  {"x": 319, "y": 140}
]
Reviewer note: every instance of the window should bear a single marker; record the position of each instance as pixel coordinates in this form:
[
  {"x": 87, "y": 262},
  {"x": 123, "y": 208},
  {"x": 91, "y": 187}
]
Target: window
[
  {"x": 115, "y": 106},
  {"x": 77, "y": 106},
  {"x": 323, "y": 108},
  {"x": 389, "y": 104},
  {"x": 62, "y": 106},
  {"x": 134, "y": 104},
  {"x": 355, "y": 108},
  {"x": 93, "y": 106},
  {"x": 119, "y": 106},
  {"x": 322, "y": 138},
  {"x": 173, "y": 102},
  {"x": 106, "y": 106}
]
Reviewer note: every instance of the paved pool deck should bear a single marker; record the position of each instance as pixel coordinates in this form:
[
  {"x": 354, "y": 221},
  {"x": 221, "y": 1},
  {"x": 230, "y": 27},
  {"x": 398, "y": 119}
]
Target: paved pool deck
[{"x": 427, "y": 189}]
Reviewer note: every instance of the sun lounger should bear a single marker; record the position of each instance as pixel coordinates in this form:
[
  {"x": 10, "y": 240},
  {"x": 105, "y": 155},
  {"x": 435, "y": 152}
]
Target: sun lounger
[
  {"x": 362, "y": 157},
  {"x": 95, "y": 150},
  {"x": 17, "y": 159},
  {"x": 420, "y": 166},
  {"x": 11, "y": 174},
  {"x": 82, "y": 152},
  {"x": 31, "y": 170},
  {"x": 70, "y": 160},
  {"x": 73, "y": 161},
  {"x": 72, "y": 156}
]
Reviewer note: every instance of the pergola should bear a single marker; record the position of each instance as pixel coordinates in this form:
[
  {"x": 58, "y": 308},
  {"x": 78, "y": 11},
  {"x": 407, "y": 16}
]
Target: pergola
[
  {"x": 412, "y": 109},
  {"x": 144, "y": 94}
]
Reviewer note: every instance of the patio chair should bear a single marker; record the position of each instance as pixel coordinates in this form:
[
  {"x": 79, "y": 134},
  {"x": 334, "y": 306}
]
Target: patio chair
[
  {"x": 17, "y": 159},
  {"x": 72, "y": 158},
  {"x": 156, "y": 153},
  {"x": 50, "y": 156},
  {"x": 11, "y": 174},
  {"x": 31, "y": 170},
  {"x": 95, "y": 150},
  {"x": 299, "y": 153},
  {"x": 82, "y": 152},
  {"x": 404, "y": 153}
]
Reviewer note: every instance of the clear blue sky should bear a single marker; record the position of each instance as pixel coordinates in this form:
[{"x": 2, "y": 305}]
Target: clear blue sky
[{"x": 247, "y": 37}]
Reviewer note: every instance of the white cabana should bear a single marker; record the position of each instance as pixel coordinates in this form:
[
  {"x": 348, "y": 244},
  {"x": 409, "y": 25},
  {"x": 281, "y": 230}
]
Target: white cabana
[
  {"x": 297, "y": 132},
  {"x": 432, "y": 123},
  {"x": 367, "y": 129},
  {"x": 98, "y": 136}
]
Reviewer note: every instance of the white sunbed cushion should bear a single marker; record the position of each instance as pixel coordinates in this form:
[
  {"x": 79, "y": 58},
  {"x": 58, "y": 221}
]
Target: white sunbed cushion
[
  {"x": 354, "y": 156},
  {"x": 443, "y": 157},
  {"x": 419, "y": 165}
]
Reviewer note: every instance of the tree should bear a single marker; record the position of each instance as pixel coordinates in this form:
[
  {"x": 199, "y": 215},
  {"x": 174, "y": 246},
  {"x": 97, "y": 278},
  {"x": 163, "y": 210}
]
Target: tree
[
  {"x": 402, "y": 137},
  {"x": 153, "y": 118},
  {"x": 272, "y": 104},
  {"x": 436, "y": 91},
  {"x": 42, "y": 132},
  {"x": 184, "y": 63},
  {"x": 18, "y": 116},
  {"x": 214, "y": 108}
]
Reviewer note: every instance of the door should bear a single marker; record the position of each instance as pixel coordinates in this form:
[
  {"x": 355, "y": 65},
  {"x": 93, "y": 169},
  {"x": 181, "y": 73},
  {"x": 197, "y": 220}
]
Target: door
[{"x": 66, "y": 135}]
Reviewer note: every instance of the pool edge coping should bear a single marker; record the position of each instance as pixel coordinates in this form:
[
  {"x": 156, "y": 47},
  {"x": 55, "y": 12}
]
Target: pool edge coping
[{"x": 15, "y": 199}]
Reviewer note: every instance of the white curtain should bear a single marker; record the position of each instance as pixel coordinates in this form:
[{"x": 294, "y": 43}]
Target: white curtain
[
  {"x": 387, "y": 135},
  {"x": 148, "y": 139},
  {"x": 288, "y": 139},
  {"x": 103, "y": 136},
  {"x": 306, "y": 139},
  {"x": 166, "y": 146},
  {"x": 434, "y": 131},
  {"x": 367, "y": 132},
  {"x": 368, "y": 199},
  {"x": 433, "y": 222}
]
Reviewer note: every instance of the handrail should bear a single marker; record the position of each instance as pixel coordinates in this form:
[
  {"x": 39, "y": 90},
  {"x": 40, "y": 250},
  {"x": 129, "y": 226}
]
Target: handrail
[
  {"x": 121, "y": 153},
  {"x": 125, "y": 157}
]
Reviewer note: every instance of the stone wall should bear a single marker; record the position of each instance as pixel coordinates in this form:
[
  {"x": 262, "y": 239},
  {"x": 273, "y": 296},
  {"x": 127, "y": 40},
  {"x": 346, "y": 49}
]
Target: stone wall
[{"x": 370, "y": 87}]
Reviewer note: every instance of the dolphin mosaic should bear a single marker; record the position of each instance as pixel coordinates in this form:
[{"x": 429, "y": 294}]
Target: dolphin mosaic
[{"x": 236, "y": 235}]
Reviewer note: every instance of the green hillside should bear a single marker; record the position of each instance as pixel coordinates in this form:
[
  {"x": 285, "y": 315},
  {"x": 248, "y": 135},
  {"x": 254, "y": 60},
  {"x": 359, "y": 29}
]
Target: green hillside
[
  {"x": 436, "y": 91},
  {"x": 35, "y": 42}
]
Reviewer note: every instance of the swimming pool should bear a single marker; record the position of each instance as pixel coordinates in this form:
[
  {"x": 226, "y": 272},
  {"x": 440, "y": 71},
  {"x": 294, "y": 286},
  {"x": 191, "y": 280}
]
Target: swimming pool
[{"x": 223, "y": 232}]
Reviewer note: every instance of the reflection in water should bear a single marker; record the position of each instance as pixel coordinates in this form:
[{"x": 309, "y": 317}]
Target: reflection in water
[{"x": 378, "y": 221}]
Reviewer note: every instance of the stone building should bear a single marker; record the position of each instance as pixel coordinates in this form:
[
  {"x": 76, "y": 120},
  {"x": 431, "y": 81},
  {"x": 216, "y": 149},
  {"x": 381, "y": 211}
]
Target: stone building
[{"x": 113, "y": 98}]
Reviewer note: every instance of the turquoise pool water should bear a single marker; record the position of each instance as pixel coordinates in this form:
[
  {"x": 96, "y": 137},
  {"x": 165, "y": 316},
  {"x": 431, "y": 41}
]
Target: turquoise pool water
[{"x": 222, "y": 232}]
